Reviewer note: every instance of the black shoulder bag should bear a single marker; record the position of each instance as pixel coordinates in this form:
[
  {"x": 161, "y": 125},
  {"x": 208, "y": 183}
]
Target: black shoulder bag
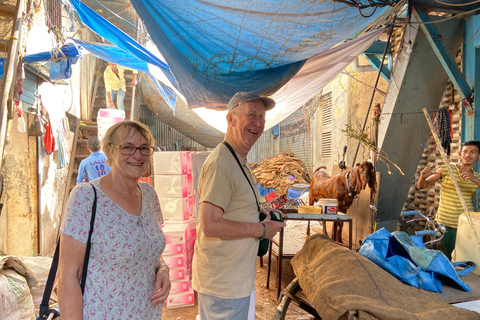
[
  {"x": 44, "y": 306},
  {"x": 264, "y": 243}
]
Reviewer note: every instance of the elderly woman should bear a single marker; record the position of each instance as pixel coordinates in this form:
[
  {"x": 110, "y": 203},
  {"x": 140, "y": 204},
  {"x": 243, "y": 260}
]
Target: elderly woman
[{"x": 126, "y": 277}]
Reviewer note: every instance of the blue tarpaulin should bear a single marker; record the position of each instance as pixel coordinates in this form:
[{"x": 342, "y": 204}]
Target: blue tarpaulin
[
  {"x": 113, "y": 54},
  {"x": 218, "y": 47},
  {"x": 288, "y": 50},
  {"x": 118, "y": 38},
  {"x": 69, "y": 50}
]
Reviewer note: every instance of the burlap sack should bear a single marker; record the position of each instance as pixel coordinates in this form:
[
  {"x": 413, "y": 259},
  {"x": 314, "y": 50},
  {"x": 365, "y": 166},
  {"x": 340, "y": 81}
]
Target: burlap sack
[{"x": 336, "y": 280}]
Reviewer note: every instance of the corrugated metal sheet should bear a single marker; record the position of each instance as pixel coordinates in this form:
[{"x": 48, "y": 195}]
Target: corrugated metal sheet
[
  {"x": 29, "y": 91},
  {"x": 327, "y": 121},
  {"x": 266, "y": 146},
  {"x": 295, "y": 137},
  {"x": 167, "y": 137}
]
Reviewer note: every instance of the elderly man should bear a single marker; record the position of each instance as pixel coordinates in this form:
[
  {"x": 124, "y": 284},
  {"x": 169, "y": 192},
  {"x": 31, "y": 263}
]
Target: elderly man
[{"x": 229, "y": 229}]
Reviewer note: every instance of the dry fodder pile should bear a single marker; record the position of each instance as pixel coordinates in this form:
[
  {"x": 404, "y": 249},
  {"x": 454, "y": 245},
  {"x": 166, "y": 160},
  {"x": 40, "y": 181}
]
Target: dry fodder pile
[{"x": 280, "y": 172}]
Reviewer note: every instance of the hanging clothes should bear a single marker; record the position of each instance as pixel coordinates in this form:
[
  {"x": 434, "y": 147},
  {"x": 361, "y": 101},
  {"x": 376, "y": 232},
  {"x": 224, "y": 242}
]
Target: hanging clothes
[
  {"x": 48, "y": 138},
  {"x": 62, "y": 154},
  {"x": 444, "y": 129}
]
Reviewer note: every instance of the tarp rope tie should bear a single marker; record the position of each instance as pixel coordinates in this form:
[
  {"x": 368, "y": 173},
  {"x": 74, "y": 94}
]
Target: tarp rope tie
[{"x": 54, "y": 55}]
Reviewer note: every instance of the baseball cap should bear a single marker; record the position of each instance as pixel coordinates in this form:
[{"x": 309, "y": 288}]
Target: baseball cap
[{"x": 242, "y": 97}]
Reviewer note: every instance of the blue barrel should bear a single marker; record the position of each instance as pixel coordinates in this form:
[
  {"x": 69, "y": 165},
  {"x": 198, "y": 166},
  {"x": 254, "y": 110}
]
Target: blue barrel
[{"x": 296, "y": 190}]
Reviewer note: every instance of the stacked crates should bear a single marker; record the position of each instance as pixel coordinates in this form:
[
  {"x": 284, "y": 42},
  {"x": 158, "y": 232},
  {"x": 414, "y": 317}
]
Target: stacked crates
[
  {"x": 107, "y": 118},
  {"x": 174, "y": 186}
]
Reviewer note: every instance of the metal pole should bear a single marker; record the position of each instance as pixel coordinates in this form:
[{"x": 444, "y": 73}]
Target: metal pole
[
  {"x": 132, "y": 108},
  {"x": 374, "y": 90}
]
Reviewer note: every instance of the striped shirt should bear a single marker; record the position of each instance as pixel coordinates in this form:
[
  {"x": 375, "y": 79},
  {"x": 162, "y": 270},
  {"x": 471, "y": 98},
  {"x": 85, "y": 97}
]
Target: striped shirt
[{"x": 450, "y": 206}]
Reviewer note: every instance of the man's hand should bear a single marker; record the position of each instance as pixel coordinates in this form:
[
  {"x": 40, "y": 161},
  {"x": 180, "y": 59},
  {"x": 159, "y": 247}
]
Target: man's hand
[
  {"x": 468, "y": 175},
  {"x": 427, "y": 172},
  {"x": 272, "y": 227},
  {"x": 428, "y": 177}
]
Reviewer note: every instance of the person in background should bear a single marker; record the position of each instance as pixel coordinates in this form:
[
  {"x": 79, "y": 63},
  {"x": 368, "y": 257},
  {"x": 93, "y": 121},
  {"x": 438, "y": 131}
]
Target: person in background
[
  {"x": 229, "y": 229},
  {"x": 95, "y": 165},
  {"x": 126, "y": 276},
  {"x": 450, "y": 207},
  {"x": 115, "y": 86}
]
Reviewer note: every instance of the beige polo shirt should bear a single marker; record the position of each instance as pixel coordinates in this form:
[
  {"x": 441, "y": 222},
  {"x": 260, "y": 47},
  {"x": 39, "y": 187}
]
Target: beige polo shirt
[{"x": 226, "y": 268}]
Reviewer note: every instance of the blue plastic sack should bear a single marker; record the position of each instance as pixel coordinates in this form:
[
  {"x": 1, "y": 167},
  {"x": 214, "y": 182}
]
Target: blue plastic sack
[
  {"x": 61, "y": 70},
  {"x": 409, "y": 261}
]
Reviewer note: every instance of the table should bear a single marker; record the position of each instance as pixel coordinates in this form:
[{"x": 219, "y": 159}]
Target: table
[{"x": 303, "y": 217}]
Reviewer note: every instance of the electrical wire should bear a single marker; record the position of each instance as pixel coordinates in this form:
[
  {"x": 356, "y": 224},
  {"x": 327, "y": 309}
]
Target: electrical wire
[{"x": 457, "y": 4}]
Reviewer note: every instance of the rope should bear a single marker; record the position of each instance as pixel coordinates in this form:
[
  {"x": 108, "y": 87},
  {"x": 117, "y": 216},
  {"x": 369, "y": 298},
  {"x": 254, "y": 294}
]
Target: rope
[{"x": 54, "y": 55}]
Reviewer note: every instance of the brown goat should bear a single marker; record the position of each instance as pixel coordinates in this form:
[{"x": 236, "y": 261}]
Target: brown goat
[{"x": 344, "y": 187}]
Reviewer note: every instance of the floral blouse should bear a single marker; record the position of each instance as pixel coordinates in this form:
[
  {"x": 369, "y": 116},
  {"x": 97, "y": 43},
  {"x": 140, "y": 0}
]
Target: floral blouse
[{"x": 124, "y": 254}]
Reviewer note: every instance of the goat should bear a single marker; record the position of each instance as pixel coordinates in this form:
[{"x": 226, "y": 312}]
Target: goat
[{"x": 345, "y": 186}]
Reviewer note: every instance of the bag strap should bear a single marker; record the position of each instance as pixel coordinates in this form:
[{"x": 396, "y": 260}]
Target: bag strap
[
  {"x": 89, "y": 241},
  {"x": 466, "y": 267},
  {"x": 241, "y": 167},
  {"x": 44, "y": 306}
]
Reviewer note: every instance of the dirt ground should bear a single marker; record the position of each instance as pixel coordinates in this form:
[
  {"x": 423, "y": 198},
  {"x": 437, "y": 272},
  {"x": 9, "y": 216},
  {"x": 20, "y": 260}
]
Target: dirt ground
[{"x": 265, "y": 299}]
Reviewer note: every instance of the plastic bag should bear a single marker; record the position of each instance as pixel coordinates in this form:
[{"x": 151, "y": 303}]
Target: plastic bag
[
  {"x": 61, "y": 70},
  {"x": 415, "y": 265},
  {"x": 36, "y": 128}
]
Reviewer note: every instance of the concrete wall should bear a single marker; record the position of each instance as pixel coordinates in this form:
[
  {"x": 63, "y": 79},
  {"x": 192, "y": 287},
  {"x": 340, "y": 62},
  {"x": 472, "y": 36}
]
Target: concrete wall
[
  {"x": 20, "y": 192},
  {"x": 419, "y": 81},
  {"x": 32, "y": 211}
]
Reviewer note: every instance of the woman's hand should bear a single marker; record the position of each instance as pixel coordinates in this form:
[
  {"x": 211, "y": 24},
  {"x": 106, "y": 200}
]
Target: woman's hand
[{"x": 162, "y": 285}]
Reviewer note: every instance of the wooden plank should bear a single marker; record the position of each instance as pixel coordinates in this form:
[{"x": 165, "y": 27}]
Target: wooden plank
[
  {"x": 453, "y": 294},
  {"x": 71, "y": 164}
]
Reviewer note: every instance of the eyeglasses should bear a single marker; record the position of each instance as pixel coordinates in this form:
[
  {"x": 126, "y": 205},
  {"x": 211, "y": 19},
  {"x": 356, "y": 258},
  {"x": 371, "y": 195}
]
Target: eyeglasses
[{"x": 129, "y": 149}]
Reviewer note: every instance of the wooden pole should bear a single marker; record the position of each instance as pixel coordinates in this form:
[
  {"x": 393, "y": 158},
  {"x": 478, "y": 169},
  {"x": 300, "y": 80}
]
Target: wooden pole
[{"x": 450, "y": 172}]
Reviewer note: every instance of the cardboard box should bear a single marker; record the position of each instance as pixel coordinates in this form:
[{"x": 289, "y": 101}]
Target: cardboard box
[
  {"x": 174, "y": 185},
  {"x": 179, "y": 231},
  {"x": 110, "y": 113},
  {"x": 176, "y": 248},
  {"x": 175, "y": 261},
  {"x": 198, "y": 158},
  {"x": 180, "y": 273},
  {"x": 177, "y": 208},
  {"x": 178, "y": 300},
  {"x": 172, "y": 162},
  {"x": 180, "y": 286}
]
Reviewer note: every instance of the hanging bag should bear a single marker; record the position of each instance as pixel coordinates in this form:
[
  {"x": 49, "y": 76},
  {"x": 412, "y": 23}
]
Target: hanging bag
[
  {"x": 264, "y": 243},
  {"x": 45, "y": 311},
  {"x": 36, "y": 128}
]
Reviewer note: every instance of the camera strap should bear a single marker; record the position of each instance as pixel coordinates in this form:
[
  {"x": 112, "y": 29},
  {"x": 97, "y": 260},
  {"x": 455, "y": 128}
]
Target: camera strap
[{"x": 241, "y": 168}]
